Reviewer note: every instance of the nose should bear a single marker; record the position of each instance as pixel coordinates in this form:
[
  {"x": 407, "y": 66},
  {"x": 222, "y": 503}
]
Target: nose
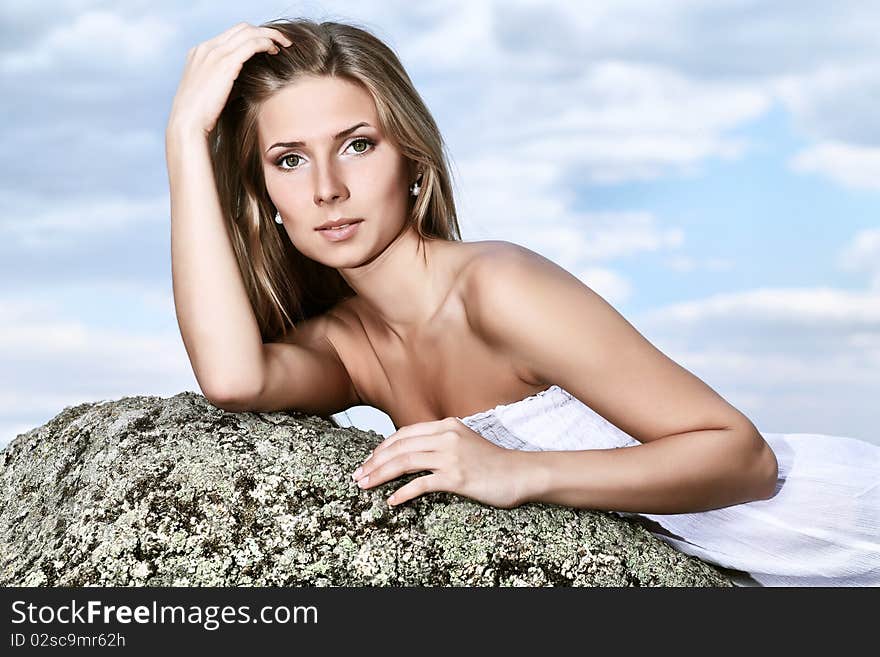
[{"x": 329, "y": 186}]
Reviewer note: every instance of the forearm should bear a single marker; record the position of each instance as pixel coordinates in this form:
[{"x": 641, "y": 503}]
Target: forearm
[
  {"x": 683, "y": 473},
  {"x": 217, "y": 324}
]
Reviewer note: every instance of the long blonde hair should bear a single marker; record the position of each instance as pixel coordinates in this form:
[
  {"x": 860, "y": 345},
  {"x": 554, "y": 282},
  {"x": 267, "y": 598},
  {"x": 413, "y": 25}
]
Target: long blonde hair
[{"x": 284, "y": 286}]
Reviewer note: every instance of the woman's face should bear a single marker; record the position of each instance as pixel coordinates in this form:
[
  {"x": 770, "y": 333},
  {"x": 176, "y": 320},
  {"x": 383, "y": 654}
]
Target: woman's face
[{"x": 357, "y": 175}]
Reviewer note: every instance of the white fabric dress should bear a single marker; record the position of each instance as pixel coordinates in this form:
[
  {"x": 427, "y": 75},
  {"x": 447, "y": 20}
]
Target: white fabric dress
[{"x": 820, "y": 528}]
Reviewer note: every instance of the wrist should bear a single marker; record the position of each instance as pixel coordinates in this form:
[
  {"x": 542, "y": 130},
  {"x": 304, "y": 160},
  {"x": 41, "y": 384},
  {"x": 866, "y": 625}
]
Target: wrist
[
  {"x": 181, "y": 132},
  {"x": 530, "y": 473}
]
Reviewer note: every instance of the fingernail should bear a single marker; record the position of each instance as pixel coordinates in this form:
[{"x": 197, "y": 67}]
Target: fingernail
[{"x": 357, "y": 472}]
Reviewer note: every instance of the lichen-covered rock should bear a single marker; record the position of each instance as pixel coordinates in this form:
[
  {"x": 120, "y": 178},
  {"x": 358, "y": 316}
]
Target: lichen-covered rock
[{"x": 151, "y": 491}]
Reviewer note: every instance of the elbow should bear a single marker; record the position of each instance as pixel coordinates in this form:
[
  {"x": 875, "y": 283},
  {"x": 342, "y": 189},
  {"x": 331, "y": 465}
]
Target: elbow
[
  {"x": 231, "y": 400},
  {"x": 753, "y": 468},
  {"x": 762, "y": 466},
  {"x": 770, "y": 472}
]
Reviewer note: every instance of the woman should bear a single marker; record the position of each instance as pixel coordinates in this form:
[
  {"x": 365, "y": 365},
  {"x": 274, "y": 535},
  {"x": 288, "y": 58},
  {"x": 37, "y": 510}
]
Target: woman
[{"x": 318, "y": 265}]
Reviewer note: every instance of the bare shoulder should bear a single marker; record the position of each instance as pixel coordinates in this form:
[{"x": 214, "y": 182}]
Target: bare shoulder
[
  {"x": 328, "y": 333},
  {"x": 499, "y": 253},
  {"x": 499, "y": 277},
  {"x": 559, "y": 330},
  {"x": 493, "y": 298},
  {"x": 483, "y": 258},
  {"x": 314, "y": 331},
  {"x": 487, "y": 249}
]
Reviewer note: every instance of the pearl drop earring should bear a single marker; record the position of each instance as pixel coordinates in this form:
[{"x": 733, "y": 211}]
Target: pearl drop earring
[
  {"x": 415, "y": 188},
  {"x": 278, "y": 219}
]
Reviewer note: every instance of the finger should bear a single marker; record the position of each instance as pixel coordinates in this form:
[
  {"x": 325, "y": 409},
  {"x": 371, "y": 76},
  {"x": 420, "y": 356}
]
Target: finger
[
  {"x": 264, "y": 36},
  {"x": 419, "y": 486},
  {"x": 371, "y": 470},
  {"x": 400, "y": 465},
  {"x": 258, "y": 31},
  {"x": 279, "y": 33},
  {"x": 424, "y": 443},
  {"x": 419, "y": 428}
]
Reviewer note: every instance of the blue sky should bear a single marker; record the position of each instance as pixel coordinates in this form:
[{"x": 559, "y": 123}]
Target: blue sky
[
  {"x": 711, "y": 168},
  {"x": 752, "y": 205}
]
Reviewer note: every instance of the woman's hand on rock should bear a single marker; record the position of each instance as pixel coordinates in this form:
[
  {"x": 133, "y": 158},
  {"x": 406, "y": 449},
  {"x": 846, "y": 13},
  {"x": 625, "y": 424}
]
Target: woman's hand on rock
[{"x": 461, "y": 461}]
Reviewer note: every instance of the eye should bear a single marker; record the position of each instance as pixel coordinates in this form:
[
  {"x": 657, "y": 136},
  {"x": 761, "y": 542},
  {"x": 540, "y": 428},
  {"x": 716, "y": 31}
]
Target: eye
[{"x": 366, "y": 142}]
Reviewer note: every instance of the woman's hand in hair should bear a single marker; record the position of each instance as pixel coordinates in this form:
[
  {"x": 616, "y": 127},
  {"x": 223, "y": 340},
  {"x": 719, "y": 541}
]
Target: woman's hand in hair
[
  {"x": 461, "y": 461},
  {"x": 211, "y": 68}
]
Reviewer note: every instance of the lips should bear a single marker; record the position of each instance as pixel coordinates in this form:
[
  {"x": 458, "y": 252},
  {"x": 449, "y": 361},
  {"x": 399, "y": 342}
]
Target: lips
[
  {"x": 342, "y": 234},
  {"x": 330, "y": 225}
]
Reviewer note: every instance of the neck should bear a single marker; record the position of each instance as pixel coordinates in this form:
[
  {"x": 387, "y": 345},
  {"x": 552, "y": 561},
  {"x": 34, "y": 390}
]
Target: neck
[{"x": 404, "y": 285}]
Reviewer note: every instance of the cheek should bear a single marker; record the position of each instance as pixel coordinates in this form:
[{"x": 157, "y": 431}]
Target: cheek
[
  {"x": 380, "y": 176},
  {"x": 374, "y": 187},
  {"x": 281, "y": 192},
  {"x": 273, "y": 186}
]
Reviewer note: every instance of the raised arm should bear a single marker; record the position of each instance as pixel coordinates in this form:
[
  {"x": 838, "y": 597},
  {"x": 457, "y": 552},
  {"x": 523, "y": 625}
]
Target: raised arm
[
  {"x": 218, "y": 326},
  {"x": 215, "y": 317},
  {"x": 698, "y": 451}
]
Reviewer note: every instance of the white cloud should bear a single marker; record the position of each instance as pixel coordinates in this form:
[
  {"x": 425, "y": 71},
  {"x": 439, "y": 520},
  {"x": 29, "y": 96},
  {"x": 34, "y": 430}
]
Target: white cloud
[
  {"x": 775, "y": 371},
  {"x": 524, "y": 200},
  {"x": 621, "y": 91},
  {"x": 540, "y": 219},
  {"x": 448, "y": 34},
  {"x": 863, "y": 254},
  {"x": 611, "y": 122},
  {"x": 821, "y": 306},
  {"x": 37, "y": 223},
  {"x": 826, "y": 387},
  {"x": 92, "y": 40},
  {"x": 837, "y": 101},
  {"x": 54, "y": 358},
  {"x": 792, "y": 359},
  {"x": 856, "y": 167}
]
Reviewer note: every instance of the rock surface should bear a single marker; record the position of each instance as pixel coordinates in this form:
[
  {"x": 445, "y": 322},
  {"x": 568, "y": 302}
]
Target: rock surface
[{"x": 152, "y": 491}]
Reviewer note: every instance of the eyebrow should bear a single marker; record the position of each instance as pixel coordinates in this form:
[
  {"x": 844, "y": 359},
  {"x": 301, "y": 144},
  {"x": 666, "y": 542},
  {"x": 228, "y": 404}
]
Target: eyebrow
[{"x": 336, "y": 137}]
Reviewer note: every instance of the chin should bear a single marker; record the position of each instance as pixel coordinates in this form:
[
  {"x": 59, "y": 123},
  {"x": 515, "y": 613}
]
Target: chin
[{"x": 341, "y": 259}]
